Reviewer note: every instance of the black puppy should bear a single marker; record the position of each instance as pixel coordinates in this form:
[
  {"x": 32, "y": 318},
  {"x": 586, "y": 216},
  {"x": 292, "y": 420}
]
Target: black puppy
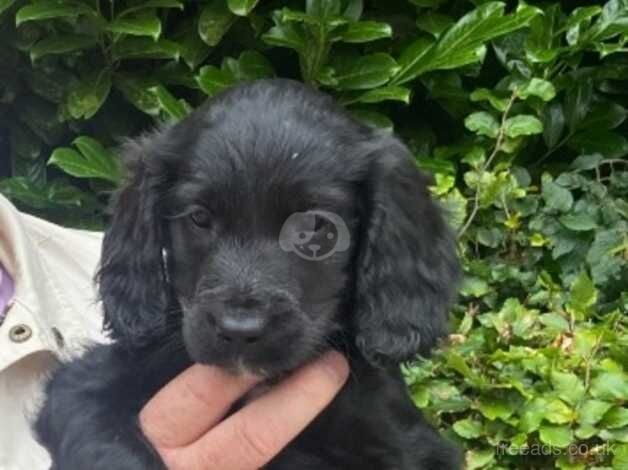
[{"x": 260, "y": 231}]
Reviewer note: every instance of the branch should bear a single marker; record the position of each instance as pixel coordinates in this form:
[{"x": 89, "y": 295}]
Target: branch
[{"x": 487, "y": 163}]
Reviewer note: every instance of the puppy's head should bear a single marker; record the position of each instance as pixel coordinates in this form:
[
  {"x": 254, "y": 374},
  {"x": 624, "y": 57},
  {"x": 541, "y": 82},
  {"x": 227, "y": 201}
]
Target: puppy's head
[{"x": 269, "y": 222}]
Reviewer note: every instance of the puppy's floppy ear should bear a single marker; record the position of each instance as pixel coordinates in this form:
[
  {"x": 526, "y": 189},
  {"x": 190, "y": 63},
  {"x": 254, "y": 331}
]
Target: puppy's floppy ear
[
  {"x": 407, "y": 268},
  {"x": 132, "y": 278}
]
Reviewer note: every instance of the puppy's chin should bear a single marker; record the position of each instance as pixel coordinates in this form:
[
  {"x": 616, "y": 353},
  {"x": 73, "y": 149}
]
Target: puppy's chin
[{"x": 240, "y": 365}]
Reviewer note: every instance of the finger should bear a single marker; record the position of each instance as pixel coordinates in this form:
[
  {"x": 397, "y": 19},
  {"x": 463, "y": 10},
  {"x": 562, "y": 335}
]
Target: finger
[
  {"x": 251, "y": 437},
  {"x": 192, "y": 403}
]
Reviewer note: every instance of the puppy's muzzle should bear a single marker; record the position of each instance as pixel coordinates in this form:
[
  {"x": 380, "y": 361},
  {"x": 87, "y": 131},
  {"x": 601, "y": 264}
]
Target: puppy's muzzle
[{"x": 241, "y": 319}]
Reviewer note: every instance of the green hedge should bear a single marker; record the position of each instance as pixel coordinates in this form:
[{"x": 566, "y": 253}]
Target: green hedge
[{"x": 518, "y": 110}]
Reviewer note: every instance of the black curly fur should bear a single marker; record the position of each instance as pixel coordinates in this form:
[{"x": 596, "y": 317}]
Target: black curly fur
[{"x": 253, "y": 155}]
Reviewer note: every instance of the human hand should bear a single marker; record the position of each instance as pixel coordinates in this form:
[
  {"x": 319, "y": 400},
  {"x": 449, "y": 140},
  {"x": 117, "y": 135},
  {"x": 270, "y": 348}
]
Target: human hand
[{"x": 185, "y": 421}]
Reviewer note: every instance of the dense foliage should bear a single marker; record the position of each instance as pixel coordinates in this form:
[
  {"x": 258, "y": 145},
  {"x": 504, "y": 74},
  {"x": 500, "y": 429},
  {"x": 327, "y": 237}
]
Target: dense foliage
[{"x": 518, "y": 110}]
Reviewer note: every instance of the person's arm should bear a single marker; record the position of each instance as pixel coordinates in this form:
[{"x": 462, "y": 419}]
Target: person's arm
[{"x": 184, "y": 421}]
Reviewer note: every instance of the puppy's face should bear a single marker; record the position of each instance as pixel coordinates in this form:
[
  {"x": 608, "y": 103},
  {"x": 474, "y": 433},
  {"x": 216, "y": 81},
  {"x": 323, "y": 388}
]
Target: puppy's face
[
  {"x": 259, "y": 279},
  {"x": 286, "y": 225}
]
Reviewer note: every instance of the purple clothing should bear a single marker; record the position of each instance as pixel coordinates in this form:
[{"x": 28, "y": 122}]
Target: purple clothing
[{"x": 6, "y": 291}]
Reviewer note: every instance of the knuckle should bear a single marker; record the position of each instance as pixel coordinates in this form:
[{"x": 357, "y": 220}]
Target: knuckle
[
  {"x": 187, "y": 459},
  {"x": 308, "y": 394},
  {"x": 200, "y": 395},
  {"x": 171, "y": 458},
  {"x": 257, "y": 447}
]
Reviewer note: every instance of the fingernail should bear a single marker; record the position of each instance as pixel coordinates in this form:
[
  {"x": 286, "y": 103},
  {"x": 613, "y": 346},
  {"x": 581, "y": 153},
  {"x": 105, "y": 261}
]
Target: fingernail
[{"x": 335, "y": 365}]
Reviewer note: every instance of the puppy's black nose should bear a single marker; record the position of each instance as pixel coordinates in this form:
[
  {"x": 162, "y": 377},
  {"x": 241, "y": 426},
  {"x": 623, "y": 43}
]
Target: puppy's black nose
[{"x": 241, "y": 328}]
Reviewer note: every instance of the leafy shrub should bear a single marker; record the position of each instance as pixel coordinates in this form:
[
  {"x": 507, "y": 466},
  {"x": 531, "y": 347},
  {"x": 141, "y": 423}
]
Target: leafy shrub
[{"x": 518, "y": 111}]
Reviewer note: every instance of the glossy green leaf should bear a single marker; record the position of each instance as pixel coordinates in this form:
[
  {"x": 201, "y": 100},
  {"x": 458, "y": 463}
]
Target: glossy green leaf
[
  {"x": 578, "y": 103},
  {"x": 557, "y": 436},
  {"x": 297, "y": 16},
  {"x": 542, "y": 44},
  {"x": 455, "y": 205},
  {"x": 587, "y": 162},
  {"x": 482, "y": 123},
  {"x": 212, "y": 80},
  {"x": 605, "y": 116},
  {"x": 608, "y": 143},
  {"x": 365, "y": 31},
  {"x": 617, "y": 417},
  {"x": 475, "y": 157},
  {"x": 610, "y": 386},
  {"x": 461, "y": 44},
  {"x": 86, "y": 99},
  {"x": 365, "y": 72},
  {"x": 176, "y": 109},
  {"x": 604, "y": 255},
  {"x": 150, "y": 4},
  {"x": 606, "y": 49},
  {"x": 474, "y": 287},
  {"x": 581, "y": 222},
  {"x": 388, "y": 93},
  {"x": 322, "y": 8},
  {"x": 620, "y": 457},
  {"x": 497, "y": 102},
  {"x": 496, "y": 408},
  {"x": 554, "y": 321},
  {"x": 592, "y": 411},
  {"x": 373, "y": 119},
  {"x": 242, "y": 7},
  {"x": 176, "y": 74},
  {"x": 437, "y": 166},
  {"x": 146, "y": 48},
  {"x": 556, "y": 197},
  {"x": 582, "y": 296},
  {"x": 215, "y": 20},
  {"x": 251, "y": 65},
  {"x": 524, "y": 124},
  {"x": 145, "y": 24},
  {"x": 569, "y": 387},
  {"x": 48, "y": 9},
  {"x": 58, "y": 194},
  {"x": 434, "y": 23},
  {"x": 135, "y": 90},
  {"x": 490, "y": 237},
  {"x": 553, "y": 123},
  {"x": 285, "y": 34},
  {"x": 532, "y": 414},
  {"x": 479, "y": 458},
  {"x": 580, "y": 15},
  {"x": 353, "y": 10},
  {"x": 468, "y": 428},
  {"x": 612, "y": 21},
  {"x": 61, "y": 44},
  {"x": 93, "y": 161},
  {"x": 415, "y": 53},
  {"x": 21, "y": 189},
  {"x": 192, "y": 48},
  {"x": 458, "y": 363},
  {"x": 538, "y": 87}
]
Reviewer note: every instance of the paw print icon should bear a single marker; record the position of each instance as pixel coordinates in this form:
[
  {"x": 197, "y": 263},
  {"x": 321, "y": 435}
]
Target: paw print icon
[{"x": 314, "y": 235}]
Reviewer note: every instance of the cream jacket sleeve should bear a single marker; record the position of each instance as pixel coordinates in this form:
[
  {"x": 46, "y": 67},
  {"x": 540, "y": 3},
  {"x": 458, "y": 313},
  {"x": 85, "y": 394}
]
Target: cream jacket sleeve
[{"x": 54, "y": 314}]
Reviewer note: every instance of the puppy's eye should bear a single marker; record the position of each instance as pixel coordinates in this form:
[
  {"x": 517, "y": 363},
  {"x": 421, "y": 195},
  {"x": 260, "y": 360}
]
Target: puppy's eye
[{"x": 201, "y": 218}]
